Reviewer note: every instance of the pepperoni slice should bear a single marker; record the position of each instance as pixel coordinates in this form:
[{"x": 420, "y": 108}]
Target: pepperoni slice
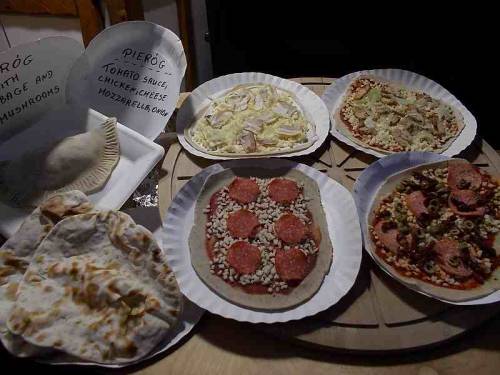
[
  {"x": 463, "y": 202},
  {"x": 390, "y": 238},
  {"x": 243, "y": 257},
  {"x": 291, "y": 265},
  {"x": 290, "y": 229},
  {"x": 448, "y": 252},
  {"x": 463, "y": 175},
  {"x": 243, "y": 190},
  {"x": 283, "y": 190},
  {"x": 242, "y": 223},
  {"x": 416, "y": 203}
]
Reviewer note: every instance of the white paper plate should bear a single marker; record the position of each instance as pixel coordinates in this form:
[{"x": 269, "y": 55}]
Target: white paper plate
[
  {"x": 344, "y": 233},
  {"x": 123, "y": 47},
  {"x": 334, "y": 93},
  {"x": 200, "y": 98},
  {"x": 138, "y": 156},
  {"x": 368, "y": 184}
]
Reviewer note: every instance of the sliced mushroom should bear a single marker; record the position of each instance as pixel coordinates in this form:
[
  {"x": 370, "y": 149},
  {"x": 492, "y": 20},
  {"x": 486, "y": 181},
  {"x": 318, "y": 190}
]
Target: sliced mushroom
[
  {"x": 402, "y": 136},
  {"x": 253, "y": 124},
  {"x": 238, "y": 100},
  {"x": 360, "y": 113},
  {"x": 218, "y": 119},
  {"x": 284, "y": 109},
  {"x": 247, "y": 140},
  {"x": 361, "y": 91},
  {"x": 392, "y": 119},
  {"x": 389, "y": 101}
]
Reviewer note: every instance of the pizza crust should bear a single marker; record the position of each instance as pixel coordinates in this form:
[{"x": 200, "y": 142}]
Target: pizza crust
[
  {"x": 200, "y": 261},
  {"x": 447, "y": 294}
]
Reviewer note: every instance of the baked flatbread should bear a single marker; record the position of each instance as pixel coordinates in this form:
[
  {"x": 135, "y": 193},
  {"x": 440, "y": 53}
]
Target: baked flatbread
[
  {"x": 317, "y": 248},
  {"x": 17, "y": 252},
  {"x": 388, "y": 117},
  {"x": 422, "y": 236},
  {"x": 81, "y": 162},
  {"x": 98, "y": 289}
]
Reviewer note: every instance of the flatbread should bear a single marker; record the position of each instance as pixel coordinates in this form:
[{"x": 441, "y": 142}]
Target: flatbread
[
  {"x": 99, "y": 289},
  {"x": 81, "y": 162},
  {"x": 447, "y": 294},
  {"x": 200, "y": 261},
  {"x": 342, "y": 127},
  {"x": 17, "y": 252}
]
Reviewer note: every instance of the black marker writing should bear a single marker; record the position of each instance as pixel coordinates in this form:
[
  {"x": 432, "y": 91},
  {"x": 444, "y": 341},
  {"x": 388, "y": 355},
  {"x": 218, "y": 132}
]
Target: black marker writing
[{"x": 8, "y": 66}]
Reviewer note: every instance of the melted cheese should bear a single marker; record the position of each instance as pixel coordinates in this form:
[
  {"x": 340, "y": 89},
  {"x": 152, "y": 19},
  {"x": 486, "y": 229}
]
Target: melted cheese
[{"x": 269, "y": 115}]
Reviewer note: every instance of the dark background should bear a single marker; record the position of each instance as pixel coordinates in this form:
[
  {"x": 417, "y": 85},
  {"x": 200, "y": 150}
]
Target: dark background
[{"x": 455, "y": 45}]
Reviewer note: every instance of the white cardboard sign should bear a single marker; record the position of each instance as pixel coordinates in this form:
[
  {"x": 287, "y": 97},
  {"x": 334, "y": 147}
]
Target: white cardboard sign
[
  {"x": 32, "y": 81},
  {"x": 132, "y": 71}
]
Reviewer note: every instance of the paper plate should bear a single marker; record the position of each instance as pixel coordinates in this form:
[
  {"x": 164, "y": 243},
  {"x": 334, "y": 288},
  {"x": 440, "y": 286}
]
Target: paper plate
[
  {"x": 334, "y": 93},
  {"x": 200, "y": 98},
  {"x": 344, "y": 233},
  {"x": 138, "y": 156},
  {"x": 132, "y": 71},
  {"x": 368, "y": 184}
]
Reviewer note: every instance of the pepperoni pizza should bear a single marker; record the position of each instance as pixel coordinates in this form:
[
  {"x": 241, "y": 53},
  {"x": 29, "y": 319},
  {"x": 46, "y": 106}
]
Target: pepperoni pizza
[{"x": 265, "y": 238}]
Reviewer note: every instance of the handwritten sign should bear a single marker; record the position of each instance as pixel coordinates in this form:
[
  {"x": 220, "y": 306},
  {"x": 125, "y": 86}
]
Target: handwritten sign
[
  {"x": 33, "y": 80},
  {"x": 132, "y": 71}
]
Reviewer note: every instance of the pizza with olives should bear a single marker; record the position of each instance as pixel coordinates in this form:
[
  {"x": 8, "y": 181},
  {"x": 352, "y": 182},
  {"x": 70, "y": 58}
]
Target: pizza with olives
[{"x": 436, "y": 226}]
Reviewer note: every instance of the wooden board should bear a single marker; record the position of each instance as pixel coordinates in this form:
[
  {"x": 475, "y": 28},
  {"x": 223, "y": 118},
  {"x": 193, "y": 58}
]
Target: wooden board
[{"x": 378, "y": 314}]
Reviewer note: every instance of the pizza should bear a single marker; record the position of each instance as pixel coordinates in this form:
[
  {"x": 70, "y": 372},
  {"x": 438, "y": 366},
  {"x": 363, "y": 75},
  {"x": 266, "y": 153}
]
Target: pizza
[
  {"x": 252, "y": 119},
  {"x": 389, "y": 117},
  {"x": 261, "y": 240},
  {"x": 438, "y": 224}
]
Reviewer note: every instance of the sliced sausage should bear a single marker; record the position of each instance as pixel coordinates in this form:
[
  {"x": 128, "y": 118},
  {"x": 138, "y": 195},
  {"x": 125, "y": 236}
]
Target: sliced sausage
[
  {"x": 464, "y": 202},
  {"x": 390, "y": 238},
  {"x": 416, "y": 204},
  {"x": 243, "y": 190},
  {"x": 283, "y": 190},
  {"x": 463, "y": 175},
  {"x": 448, "y": 252},
  {"x": 291, "y": 265},
  {"x": 242, "y": 223},
  {"x": 243, "y": 257},
  {"x": 290, "y": 229}
]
